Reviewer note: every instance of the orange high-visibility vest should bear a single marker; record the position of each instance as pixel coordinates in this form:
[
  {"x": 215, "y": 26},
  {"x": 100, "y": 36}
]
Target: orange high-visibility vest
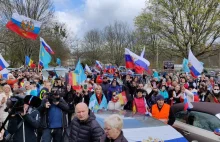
[{"x": 163, "y": 114}]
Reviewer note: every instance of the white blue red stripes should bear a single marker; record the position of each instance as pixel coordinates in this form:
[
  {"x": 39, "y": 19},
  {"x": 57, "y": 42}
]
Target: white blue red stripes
[
  {"x": 46, "y": 46},
  {"x": 36, "y": 29},
  {"x": 3, "y": 63},
  {"x": 195, "y": 65}
]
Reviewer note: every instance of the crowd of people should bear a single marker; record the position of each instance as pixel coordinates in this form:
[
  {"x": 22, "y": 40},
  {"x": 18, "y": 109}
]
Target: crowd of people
[{"x": 66, "y": 112}]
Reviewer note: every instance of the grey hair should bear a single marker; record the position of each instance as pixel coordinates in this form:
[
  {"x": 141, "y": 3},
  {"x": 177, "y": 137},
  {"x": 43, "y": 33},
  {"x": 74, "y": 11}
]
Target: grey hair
[{"x": 115, "y": 121}]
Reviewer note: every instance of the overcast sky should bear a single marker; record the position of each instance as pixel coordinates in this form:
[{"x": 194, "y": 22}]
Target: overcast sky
[{"x": 83, "y": 15}]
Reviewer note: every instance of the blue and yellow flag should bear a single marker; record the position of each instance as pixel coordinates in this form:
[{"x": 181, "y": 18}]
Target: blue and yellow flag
[
  {"x": 45, "y": 57},
  {"x": 80, "y": 73}
]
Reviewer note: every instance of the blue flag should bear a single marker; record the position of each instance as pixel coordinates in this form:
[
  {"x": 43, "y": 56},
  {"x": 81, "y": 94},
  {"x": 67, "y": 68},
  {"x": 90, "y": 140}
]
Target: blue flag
[
  {"x": 80, "y": 74},
  {"x": 185, "y": 65},
  {"x": 45, "y": 57},
  {"x": 58, "y": 62}
]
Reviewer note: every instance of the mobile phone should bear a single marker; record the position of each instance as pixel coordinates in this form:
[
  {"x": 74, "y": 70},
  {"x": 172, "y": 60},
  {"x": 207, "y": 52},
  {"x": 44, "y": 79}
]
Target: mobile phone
[{"x": 85, "y": 86}]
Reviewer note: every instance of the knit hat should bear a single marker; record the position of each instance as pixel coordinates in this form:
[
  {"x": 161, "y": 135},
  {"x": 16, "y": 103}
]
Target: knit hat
[
  {"x": 159, "y": 97},
  {"x": 32, "y": 101}
]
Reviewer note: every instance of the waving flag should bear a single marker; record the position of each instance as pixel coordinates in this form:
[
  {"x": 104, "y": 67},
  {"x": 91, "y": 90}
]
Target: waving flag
[
  {"x": 28, "y": 61},
  {"x": 110, "y": 69},
  {"x": 4, "y": 73},
  {"x": 98, "y": 65},
  {"x": 46, "y": 46},
  {"x": 58, "y": 62},
  {"x": 138, "y": 61},
  {"x": 24, "y": 26},
  {"x": 185, "y": 65},
  {"x": 88, "y": 69},
  {"x": 187, "y": 104},
  {"x": 3, "y": 63},
  {"x": 45, "y": 57},
  {"x": 129, "y": 63},
  {"x": 80, "y": 74},
  {"x": 143, "y": 52},
  {"x": 195, "y": 66}
]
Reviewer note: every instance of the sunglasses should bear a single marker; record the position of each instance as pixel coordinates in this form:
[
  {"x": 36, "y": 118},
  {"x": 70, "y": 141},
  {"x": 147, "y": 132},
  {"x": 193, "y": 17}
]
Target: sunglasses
[{"x": 216, "y": 89}]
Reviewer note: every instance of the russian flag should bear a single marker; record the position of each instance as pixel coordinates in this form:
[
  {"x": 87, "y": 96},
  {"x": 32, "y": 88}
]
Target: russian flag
[
  {"x": 24, "y": 26},
  {"x": 3, "y": 63},
  {"x": 4, "y": 73},
  {"x": 46, "y": 46},
  {"x": 138, "y": 61},
  {"x": 187, "y": 105},
  {"x": 98, "y": 64},
  {"x": 128, "y": 59},
  {"x": 195, "y": 65}
]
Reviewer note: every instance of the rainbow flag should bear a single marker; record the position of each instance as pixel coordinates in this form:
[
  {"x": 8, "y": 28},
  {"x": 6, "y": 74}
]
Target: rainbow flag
[
  {"x": 28, "y": 61},
  {"x": 72, "y": 78}
]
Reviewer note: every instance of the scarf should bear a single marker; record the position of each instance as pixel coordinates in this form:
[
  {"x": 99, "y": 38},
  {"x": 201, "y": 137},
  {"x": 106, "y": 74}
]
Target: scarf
[
  {"x": 216, "y": 100},
  {"x": 99, "y": 96}
]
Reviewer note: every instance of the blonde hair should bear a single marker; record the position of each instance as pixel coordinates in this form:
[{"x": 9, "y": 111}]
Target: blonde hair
[
  {"x": 98, "y": 87},
  {"x": 114, "y": 121},
  {"x": 6, "y": 86}
]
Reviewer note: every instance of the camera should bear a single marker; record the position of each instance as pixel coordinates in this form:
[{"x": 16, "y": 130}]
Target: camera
[
  {"x": 55, "y": 94},
  {"x": 15, "y": 104}
]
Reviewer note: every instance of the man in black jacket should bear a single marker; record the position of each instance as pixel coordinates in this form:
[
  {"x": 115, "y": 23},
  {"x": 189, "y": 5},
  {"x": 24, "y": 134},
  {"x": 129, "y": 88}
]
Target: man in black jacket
[
  {"x": 84, "y": 127},
  {"x": 23, "y": 125},
  {"x": 54, "y": 117}
]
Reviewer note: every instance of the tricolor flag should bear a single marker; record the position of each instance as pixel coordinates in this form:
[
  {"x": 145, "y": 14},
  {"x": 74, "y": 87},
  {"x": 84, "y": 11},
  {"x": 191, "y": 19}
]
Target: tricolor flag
[
  {"x": 4, "y": 73},
  {"x": 195, "y": 66},
  {"x": 28, "y": 61},
  {"x": 134, "y": 61},
  {"x": 187, "y": 104},
  {"x": 98, "y": 65},
  {"x": 122, "y": 98},
  {"x": 88, "y": 69},
  {"x": 46, "y": 46},
  {"x": 3, "y": 63},
  {"x": 24, "y": 26},
  {"x": 129, "y": 63}
]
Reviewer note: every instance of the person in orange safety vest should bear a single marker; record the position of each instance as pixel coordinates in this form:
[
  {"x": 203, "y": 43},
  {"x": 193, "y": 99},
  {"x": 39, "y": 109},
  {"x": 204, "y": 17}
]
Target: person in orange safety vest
[{"x": 162, "y": 111}]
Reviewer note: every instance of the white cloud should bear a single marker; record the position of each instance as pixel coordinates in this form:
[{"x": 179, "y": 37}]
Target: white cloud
[{"x": 99, "y": 13}]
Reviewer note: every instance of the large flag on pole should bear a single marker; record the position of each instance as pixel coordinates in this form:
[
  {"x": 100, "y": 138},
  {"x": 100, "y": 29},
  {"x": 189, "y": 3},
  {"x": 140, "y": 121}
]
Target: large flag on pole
[
  {"x": 24, "y": 26},
  {"x": 138, "y": 61},
  {"x": 80, "y": 74},
  {"x": 45, "y": 57},
  {"x": 3, "y": 63},
  {"x": 46, "y": 46},
  {"x": 195, "y": 66}
]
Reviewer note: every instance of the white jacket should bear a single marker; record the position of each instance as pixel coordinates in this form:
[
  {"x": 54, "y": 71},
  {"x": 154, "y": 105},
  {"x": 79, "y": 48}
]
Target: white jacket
[{"x": 114, "y": 106}]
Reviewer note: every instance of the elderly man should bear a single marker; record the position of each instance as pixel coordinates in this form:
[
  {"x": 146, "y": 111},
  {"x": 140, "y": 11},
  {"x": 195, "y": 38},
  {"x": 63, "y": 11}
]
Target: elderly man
[
  {"x": 84, "y": 127},
  {"x": 163, "y": 111},
  {"x": 113, "y": 129}
]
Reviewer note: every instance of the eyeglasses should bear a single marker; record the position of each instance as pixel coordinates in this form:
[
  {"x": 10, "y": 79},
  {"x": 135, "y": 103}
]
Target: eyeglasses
[{"x": 216, "y": 89}]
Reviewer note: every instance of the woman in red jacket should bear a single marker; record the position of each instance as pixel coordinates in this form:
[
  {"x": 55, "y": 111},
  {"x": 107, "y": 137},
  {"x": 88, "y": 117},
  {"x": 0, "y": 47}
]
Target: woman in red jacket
[{"x": 139, "y": 102}]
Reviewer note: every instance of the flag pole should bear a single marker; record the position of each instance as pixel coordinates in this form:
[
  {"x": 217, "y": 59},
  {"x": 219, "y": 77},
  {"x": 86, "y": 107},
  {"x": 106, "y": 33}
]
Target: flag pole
[{"x": 38, "y": 67}]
